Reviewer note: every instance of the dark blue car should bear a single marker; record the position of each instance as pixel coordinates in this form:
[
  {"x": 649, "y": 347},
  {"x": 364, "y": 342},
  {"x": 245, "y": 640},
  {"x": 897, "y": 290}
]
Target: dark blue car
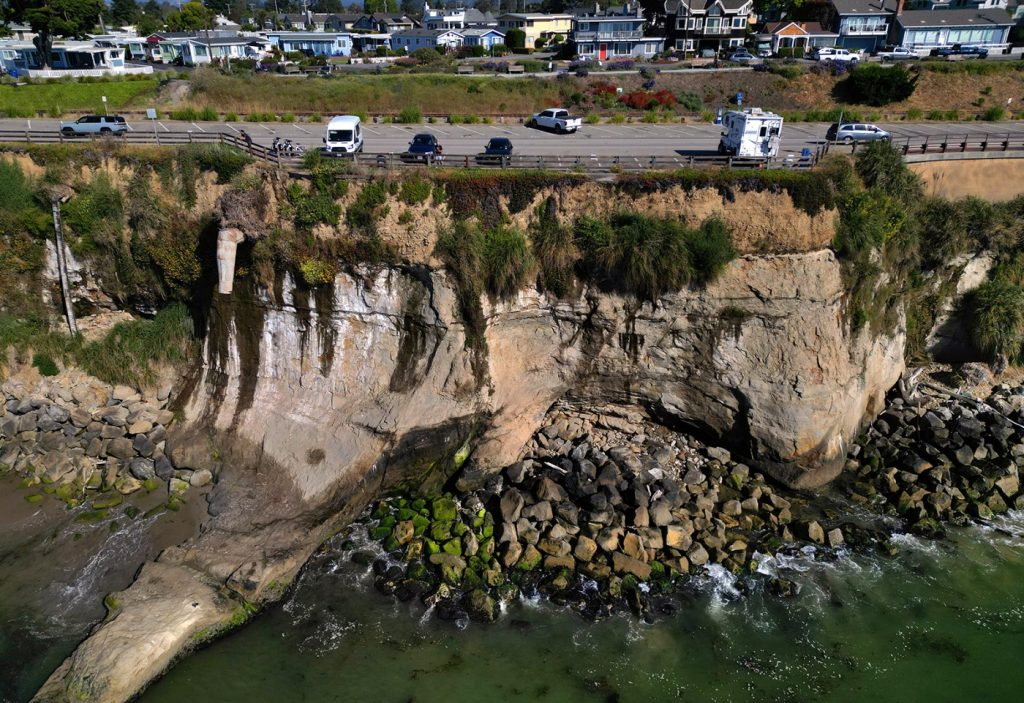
[
  {"x": 423, "y": 147},
  {"x": 496, "y": 150}
]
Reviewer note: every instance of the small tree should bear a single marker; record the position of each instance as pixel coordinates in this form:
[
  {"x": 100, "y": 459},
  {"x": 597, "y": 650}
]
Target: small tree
[
  {"x": 515, "y": 39},
  {"x": 124, "y": 12}
]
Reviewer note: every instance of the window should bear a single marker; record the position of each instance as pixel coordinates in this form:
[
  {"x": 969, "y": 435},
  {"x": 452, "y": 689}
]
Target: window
[
  {"x": 648, "y": 48},
  {"x": 739, "y": 22},
  {"x": 735, "y": 42}
]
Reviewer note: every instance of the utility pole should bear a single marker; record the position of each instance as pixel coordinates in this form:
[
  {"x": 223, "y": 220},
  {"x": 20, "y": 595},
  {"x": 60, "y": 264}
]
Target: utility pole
[{"x": 62, "y": 267}]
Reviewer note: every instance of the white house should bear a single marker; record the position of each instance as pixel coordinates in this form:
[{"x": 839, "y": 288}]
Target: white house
[
  {"x": 67, "y": 59},
  {"x": 201, "y": 50},
  {"x": 313, "y": 43},
  {"x": 455, "y": 18},
  {"x": 412, "y": 39}
]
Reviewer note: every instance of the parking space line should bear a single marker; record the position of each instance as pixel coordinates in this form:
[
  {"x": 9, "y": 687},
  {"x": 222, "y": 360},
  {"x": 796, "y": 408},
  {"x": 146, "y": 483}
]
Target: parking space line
[
  {"x": 164, "y": 126},
  {"x": 198, "y": 127},
  {"x": 306, "y": 131},
  {"x": 231, "y": 128}
]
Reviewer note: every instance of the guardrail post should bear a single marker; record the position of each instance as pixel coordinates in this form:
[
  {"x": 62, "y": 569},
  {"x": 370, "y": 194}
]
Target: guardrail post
[
  {"x": 945, "y": 140},
  {"x": 963, "y": 144},
  {"x": 1006, "y": 144}
]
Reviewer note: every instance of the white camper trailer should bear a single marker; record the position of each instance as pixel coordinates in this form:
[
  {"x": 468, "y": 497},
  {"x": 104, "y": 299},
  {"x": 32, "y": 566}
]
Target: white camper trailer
[{"x": 751, "y": 133}]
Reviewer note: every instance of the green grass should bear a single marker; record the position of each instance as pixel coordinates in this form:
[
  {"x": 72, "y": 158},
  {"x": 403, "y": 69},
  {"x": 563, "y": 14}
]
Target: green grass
[
  {"x": 997, "y": 318},
  {"x": 63, "y": 98},
  {"x": 126, "y": 355},
  {"x": 429, "y": 94}
]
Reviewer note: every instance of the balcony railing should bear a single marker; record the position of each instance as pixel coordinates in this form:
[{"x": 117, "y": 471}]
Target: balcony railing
[
  {"x": 865, "y": 29},
  {"x": 607, "y": 36}
]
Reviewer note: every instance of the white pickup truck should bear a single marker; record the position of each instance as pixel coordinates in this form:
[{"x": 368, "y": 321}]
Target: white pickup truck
[{"x": 556, "y": 118}]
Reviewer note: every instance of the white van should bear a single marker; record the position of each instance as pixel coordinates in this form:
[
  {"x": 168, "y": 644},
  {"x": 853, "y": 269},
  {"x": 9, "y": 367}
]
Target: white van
[{"x": 344, "y": 135}]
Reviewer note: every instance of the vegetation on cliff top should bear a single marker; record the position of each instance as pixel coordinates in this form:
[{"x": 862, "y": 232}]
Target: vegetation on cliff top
[{"x": 903, "y": 250}]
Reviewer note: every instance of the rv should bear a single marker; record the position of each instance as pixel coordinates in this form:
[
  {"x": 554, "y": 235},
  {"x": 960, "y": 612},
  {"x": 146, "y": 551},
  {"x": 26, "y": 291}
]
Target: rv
[
  {"x": 751, "y": 133},
  {"x": 344, "y": 136}
]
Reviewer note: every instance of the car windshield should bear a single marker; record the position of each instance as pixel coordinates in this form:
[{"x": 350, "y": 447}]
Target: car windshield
[
  {"x": 499, "y": 143},
  {"x": 423, "y": 139},
  {"x": 339, "y": 135}
]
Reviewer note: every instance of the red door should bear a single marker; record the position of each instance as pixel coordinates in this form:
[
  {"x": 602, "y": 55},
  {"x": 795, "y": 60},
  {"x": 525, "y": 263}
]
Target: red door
[{"x": 603, "y": 53}]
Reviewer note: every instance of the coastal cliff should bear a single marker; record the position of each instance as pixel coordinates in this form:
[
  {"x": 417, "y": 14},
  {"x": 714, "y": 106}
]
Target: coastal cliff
[{"x": 337, "y": 358}]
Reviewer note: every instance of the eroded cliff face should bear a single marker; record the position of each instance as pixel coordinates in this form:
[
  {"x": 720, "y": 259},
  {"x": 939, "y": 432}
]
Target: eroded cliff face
[
  {"x": 307, "y": 402},
  {"x": 325, "y": 383}
]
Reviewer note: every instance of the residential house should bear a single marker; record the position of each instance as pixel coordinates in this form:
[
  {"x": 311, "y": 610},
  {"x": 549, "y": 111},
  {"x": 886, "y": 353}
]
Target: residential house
[
  {"x": 203, "y": 50},
  {"x": 20, "y": 31},
  {"x": 164, "y": 47},
  {"x": 860, "y": 24},
  {"x": 456, "y": 18},
  {"x": 79, "y": 59},
  {"x": 383, "y": 23},
  {"x": 487, "y": 37},
  {"x": 369, "y": 42},
  {"x": 413, "y": 39},
  {"x": 615, "y": 32},
  {"x": 313, "y": 43},
  {"x": 796, "y": 37},
  {"x": 929, "y": 29},
  {"x": 134, "y": 47},
  {"x": 536, "y": 25},
  {"x": 693, "y": 25}
]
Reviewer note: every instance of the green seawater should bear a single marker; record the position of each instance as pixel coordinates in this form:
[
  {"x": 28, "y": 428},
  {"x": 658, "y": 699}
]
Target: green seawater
[{"x": 941, "y": 621}]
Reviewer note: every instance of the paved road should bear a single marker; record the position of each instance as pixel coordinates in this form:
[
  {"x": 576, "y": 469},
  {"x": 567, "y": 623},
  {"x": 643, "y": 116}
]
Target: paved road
[{"x": 592, "y": 140}]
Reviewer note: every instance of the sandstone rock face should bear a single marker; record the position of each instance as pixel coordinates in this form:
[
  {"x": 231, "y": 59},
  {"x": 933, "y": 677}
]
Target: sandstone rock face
[
  {"x": 173, "y": 602},
  {"x": 308, "y": 403}
]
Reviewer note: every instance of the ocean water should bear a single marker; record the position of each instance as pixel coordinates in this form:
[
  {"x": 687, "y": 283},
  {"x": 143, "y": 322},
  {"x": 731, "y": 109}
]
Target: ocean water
[{"x": 941, "y": 621}]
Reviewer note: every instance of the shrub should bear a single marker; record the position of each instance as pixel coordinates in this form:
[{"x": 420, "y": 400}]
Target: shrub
[
  {"x": 515, "y": 39},
  {"x": 314, "y": 208},
  {"x": 877, "y": 85},
  {"x": 317, "y": 272},
  {"x": 208, "y": 114},
  {"x": 225, "y": 161},
  {"x": 636, "y": 254},
  {"x": 915, "y": 113},
  {"x": 994, "y": 114},
  {"x": 231, "y": 117},
  {"x": 127, "y": 353},
  {"x": 45, "y": 364},
  {"x": 692, "y": 102},
  {"x": 555, "y": 250},
  {"x": 410, "y": 115},
  {"x": 363, "y": 213},
  {"x": 186, "y": 114},
  {"x": 508, "y": 262},
  {"x": 787, "y": 71},
  {"x": 881, "y": 166},
  {"x": 415, "y": 190},
  {"x": 996, "y": 314},
  {"x": 710, "y": 250}
]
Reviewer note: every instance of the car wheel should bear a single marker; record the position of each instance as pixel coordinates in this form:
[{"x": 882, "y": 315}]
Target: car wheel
[
  {"x": 847, "y": 140},
  {"x": 559, "y": 129},
  {"x": 104, "y": 130}
]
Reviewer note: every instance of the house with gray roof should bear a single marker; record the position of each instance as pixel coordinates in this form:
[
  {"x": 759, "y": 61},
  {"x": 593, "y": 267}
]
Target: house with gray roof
[
  {"x": 930, "y": 29},
  {"x": 693, "y": 25}
]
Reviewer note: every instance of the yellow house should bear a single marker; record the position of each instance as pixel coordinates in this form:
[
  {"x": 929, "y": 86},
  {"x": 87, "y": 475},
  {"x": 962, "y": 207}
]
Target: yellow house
[{"x": 536, "y": 25}]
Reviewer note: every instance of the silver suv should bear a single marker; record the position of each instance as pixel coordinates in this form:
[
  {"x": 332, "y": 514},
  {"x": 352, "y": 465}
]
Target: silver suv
[{"x": 94, "y": 124}]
